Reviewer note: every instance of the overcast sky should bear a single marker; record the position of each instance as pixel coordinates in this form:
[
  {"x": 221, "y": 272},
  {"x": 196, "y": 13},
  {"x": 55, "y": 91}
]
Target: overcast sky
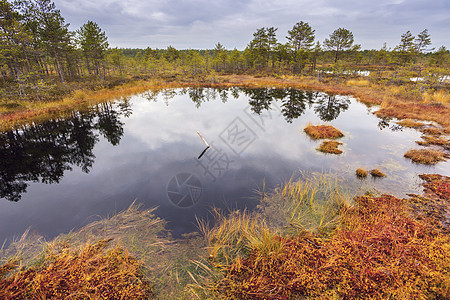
[{"x": 200, "y": 24}]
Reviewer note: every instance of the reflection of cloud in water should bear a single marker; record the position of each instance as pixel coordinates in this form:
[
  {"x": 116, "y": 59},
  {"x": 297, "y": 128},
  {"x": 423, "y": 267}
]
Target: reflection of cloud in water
[{"x": 158, "y": 140}]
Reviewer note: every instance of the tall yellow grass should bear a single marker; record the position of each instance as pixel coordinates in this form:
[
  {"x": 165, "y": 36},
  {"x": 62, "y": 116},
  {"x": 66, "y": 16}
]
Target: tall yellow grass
[
  {"x": 358, "y": 82},
  {"x": 441, "y": 96}
]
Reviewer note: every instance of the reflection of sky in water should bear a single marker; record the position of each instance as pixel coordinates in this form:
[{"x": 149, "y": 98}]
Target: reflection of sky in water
[{"x": 160, "y": 140}]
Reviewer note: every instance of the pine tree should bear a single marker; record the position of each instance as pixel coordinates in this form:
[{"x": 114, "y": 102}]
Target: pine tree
[
  {"x": 340, "y": 40},
  {"x": 301, "y": 36},
  {"x": 405, "y": 49},
  {"x": 52, "y": 31},
  {"x": 94, "y": 43}
]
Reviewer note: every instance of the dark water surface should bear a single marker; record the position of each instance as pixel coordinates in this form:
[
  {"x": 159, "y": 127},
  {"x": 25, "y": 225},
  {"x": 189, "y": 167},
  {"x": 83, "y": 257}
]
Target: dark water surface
[{"x": 65, "y": 173}]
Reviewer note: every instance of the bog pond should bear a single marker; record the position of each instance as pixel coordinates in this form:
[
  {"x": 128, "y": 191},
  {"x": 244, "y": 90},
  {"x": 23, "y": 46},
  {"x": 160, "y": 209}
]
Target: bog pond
[{"x": 70, "y": 171}]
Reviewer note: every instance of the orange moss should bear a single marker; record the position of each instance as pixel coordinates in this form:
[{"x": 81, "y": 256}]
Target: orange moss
[
  {"x": 323, "y": 132},
  {"x": 425, "y": 156},
  {"x": 90, "y": 273},
  {"x": 330, "y": 147}
]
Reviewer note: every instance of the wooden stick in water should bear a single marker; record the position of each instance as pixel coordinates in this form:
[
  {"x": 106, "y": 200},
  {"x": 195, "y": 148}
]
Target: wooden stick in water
[{"x": 203, "y": 139}]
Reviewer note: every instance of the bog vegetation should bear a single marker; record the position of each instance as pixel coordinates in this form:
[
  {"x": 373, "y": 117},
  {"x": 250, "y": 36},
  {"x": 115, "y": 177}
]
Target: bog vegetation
[
  {"x": 41, "y": 59},
  {"x": 308, "y": 239}
]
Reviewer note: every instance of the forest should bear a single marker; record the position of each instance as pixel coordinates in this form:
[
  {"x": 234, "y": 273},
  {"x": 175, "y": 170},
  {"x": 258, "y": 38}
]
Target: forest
[{"x": 41, "y": 59}]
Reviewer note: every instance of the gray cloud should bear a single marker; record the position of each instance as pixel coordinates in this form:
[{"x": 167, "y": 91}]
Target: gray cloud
[{"x": 202, "y": 23}]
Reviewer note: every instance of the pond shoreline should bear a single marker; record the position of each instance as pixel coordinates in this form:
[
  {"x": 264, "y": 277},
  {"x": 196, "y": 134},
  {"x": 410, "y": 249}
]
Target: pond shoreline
[
  {"x": 201, "y": 265},
  {"x": 16, "y": 114}
]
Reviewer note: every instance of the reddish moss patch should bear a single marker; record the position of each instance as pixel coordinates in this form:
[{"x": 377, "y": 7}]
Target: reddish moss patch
[
  {"x": 323, "y": 132},
  {"x": 436, "y": 185},
  {"x": 330, "y": 147},
  {"x": 378, "y": 252},
  {"x": 91, "y": 273}
]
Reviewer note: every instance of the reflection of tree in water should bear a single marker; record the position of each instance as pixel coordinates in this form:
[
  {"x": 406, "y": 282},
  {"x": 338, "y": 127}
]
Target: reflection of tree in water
[
  {"x": 294, "y": 102},
  {"x": 42, "y": 153},
  {"x": 293, "y": 105},
  {"x": 329, "y": 107},
  {"x": 386, "y": 123},
  {"x": 259, "y": 99},
  {"x": 109, "y": 124}
]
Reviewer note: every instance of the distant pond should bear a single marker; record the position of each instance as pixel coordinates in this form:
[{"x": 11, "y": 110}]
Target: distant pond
[{"x": 67, "y": 172}]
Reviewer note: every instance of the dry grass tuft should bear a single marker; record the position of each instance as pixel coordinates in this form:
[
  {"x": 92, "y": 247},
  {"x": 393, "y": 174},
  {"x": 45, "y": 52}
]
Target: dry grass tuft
[
  {"x": 234, "y": 236},
  {"x": 322, "y": 132},
  {"x": 432, "y": 131},
  {"x": 377, "y": 173},
  {"x": 433, "y": 140},
  {"x": 355, "y": 82},
  {"x": 361, "y": 173},
  {"x": 410, "y": 123},
  {"x": 441, "y": 97},
  {"x": 425, "y": 156},
  {"x": 330, "y": 147}
]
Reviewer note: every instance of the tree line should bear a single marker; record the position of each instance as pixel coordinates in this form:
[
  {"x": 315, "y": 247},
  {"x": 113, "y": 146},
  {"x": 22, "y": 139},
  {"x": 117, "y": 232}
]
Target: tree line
[
  {"x": 35, "y": 43},
  {"x": 36, "y": 47}
]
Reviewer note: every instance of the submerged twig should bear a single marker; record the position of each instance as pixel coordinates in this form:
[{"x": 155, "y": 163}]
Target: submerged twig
[
  {"x": 206, "y": 143},
  {"x": 203, "y": 139}
]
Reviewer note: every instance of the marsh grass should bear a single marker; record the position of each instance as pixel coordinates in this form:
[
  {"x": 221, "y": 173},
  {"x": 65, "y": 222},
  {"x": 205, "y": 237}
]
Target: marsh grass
[
  {"x": 234, "y": 235},
  {"x": 433, "y": 140},
  {"x": 312, "y": 204},
  {"x": 432, "y": 131},
  {"x": 377, "y": 251},
  {"x": 425, "y": 156},
  {"x": 166, "y": 263},
  {"x": 322, "y": 132},
  {"x": 358, "y": 82},
  {"x": 440, "y": 97}
]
